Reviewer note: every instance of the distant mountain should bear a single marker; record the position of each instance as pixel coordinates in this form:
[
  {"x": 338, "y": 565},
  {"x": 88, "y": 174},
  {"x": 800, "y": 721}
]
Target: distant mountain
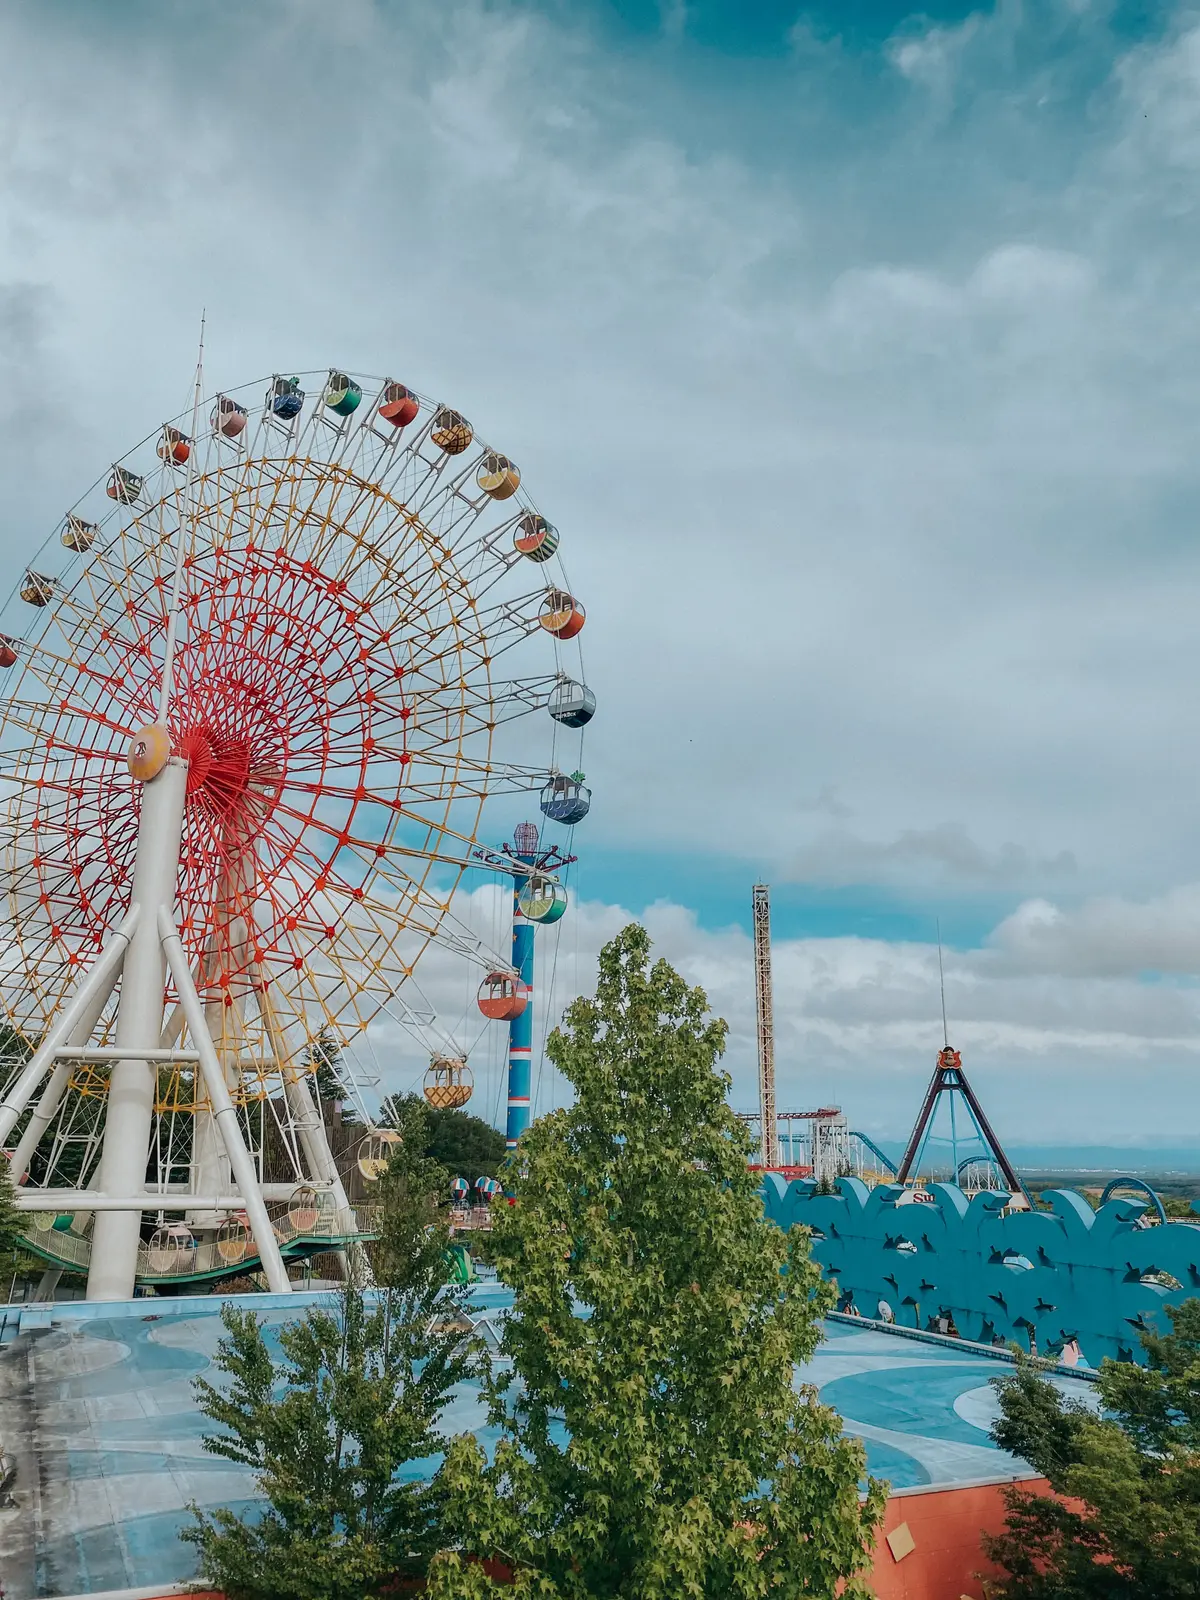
[{"x": 1137, "y": 1160}]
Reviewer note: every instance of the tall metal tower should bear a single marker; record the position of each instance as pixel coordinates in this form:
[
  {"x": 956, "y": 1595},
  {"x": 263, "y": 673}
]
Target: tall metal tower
[{"x": 766, "y": 1024}]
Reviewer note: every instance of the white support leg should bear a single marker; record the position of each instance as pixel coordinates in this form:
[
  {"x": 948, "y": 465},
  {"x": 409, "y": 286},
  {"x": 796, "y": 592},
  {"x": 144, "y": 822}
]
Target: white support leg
[
  {"x": 224, "y": 1115},
  {"x": 313, "y": 1138},
  {"x": 130, "y": 1110},
  {"x": 211, "y": 1172},
  {"x": 52, "y": 1094},
  {"x": 99, "y": 980}
]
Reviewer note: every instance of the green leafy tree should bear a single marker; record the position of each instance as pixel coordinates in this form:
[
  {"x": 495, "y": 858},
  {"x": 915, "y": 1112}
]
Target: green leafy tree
[
  {"x": 412, "y": 1196},
  {"x": 1128, "y": 1526},
  {"x": 465, "y": 1145},
  {"x": 329, "y": 1426},
  {"x": 652, "y": 1442}
]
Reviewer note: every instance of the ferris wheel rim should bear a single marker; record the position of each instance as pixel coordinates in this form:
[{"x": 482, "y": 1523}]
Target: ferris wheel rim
[
  {"x": 166, "y": 487},
  {"x": 206, "y": 403}
]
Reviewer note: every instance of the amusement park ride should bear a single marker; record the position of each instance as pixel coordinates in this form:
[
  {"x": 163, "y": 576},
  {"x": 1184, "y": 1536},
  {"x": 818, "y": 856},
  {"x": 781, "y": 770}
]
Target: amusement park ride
[
  {"x": 829, "y": 1148},
  {"x": 251, "y": 727}
]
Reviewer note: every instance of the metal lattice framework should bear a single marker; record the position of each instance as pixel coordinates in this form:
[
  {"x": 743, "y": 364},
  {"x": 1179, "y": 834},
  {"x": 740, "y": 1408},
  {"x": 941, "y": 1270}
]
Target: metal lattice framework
[
  {"x": 372, "y": 625},
  {"x": 766, "y": 1024}
]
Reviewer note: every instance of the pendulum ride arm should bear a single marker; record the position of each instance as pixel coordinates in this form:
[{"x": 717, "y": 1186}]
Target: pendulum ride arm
[
  {"x": 951, "y": 1079},
  {"x": 921, "y": 1124},
  {"x": 990, "y": 1139}
]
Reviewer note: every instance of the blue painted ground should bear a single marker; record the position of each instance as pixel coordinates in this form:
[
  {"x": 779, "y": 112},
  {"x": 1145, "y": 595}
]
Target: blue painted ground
[{"x": 97, "y": 1406}]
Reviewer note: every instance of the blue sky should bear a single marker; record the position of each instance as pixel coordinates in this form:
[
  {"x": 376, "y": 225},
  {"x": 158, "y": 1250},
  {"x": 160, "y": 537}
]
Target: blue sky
[{"x": 856, "y": 353}]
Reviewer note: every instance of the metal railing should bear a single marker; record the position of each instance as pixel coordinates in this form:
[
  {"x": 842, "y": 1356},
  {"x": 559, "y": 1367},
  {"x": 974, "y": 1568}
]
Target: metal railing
[{"x": 177, "y": 1259}]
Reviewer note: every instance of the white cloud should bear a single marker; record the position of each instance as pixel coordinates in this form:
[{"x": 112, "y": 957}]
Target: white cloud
[
  {"x": 917, "y": 855},
  {"x": 1055, "y": 1016},
  {"x": 931, "y": 58},
  {"x": 870, "y": 433},
  {"x": 861, "y": 494}
]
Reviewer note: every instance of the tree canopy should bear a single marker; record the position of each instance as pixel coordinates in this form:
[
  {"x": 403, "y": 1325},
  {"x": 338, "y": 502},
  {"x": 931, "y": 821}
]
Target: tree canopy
[
  {"x": 465, "y": 1145},
  {"x": 1128, "y": 1527},
  {"x": 652, "y": 1441}
]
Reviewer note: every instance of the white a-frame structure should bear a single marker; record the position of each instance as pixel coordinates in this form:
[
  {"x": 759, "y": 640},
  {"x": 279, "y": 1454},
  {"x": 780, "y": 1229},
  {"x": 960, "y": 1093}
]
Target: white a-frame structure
[
  {"x": 139, "y": 955},
  {"x": 143, "y": 959}
]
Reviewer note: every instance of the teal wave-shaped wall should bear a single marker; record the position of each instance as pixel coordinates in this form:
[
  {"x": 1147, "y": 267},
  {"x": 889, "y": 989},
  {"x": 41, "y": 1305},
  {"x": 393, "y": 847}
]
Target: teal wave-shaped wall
[{"x": 1070, "y": 1273}]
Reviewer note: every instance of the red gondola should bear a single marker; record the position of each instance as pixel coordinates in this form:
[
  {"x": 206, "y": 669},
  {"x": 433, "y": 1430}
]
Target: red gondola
[
  {"x": 399, "y": 405},
  {"x": 502, "y": 996}
]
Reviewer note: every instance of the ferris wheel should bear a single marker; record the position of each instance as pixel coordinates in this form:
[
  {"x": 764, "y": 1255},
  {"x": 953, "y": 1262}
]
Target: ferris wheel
[{"x": 262, "y": 682}]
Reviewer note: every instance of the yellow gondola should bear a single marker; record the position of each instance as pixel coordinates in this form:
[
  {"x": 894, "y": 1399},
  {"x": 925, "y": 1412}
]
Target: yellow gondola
[
  {"x": 498, "y": 476},
  {"x": 448, "y": 1083},
  {"x": 375, "y": 1151}
]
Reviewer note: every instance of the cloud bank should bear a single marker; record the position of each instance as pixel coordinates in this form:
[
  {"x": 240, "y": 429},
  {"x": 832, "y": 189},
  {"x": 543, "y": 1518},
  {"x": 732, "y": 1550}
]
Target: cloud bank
[{"x": 863, "y": 392}]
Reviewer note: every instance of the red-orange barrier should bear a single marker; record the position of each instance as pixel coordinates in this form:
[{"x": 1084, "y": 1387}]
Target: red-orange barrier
[{"x": 930, "y": 1545}]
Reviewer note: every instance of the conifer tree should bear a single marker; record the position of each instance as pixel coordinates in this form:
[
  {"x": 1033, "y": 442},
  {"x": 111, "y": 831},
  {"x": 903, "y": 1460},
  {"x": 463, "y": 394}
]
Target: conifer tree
[
  {"x": 334, "y": 1427},
  {"x": 10, "y": 1230},
  {"x": 652, "y": 1442}
]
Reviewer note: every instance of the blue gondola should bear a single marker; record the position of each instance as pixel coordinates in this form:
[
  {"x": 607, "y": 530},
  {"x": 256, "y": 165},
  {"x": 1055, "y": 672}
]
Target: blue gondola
[
  {"x": 566, "y": 800},
  {"x": 285, "y": 397}
]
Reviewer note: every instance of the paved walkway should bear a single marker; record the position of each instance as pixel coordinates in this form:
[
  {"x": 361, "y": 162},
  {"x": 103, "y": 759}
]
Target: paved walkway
[{"x": 96, "y": 1405}]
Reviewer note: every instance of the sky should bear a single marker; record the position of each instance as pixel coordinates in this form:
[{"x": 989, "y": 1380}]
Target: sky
[{"x": 855, "y": 352}]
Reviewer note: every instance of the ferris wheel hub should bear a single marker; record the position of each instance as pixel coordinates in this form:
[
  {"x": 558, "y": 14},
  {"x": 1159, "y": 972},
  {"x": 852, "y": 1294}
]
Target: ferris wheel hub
[{"x": 149, "y": 752}]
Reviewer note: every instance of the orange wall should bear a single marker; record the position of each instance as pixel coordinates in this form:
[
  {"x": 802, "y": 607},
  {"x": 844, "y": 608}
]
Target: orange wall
[{"x": 946, "y": 1525}]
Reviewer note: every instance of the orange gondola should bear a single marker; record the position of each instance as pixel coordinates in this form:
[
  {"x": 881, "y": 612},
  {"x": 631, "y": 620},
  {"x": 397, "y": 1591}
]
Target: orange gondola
[
  {"x": 174, "y": 447},
  {"x": 502, "y": 996},
  {"x": 561, "y": 614},
  {"x": 233, "y": 1239}
]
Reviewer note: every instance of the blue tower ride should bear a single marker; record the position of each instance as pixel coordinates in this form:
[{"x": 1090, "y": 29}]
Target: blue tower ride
[
  {"x": 538, "y": 896},
  {"x": 520, "y": 1028}
]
